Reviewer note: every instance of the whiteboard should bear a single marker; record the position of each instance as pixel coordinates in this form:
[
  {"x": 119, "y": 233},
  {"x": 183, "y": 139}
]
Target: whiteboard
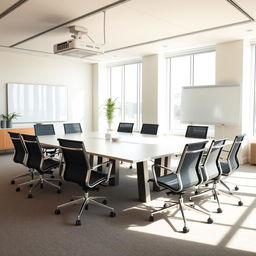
[
  {"x": 211, "y": 104},
  {"x": 37, "y": 103}
]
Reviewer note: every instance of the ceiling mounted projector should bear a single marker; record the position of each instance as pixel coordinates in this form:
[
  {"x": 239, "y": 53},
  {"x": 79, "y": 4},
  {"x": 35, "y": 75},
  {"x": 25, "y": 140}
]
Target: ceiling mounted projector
[{"x": 78, "y": 46}]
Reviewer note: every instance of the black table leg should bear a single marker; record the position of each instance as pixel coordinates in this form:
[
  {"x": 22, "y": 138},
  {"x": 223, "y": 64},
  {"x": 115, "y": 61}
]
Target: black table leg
[{"x": 143, "y": 185}]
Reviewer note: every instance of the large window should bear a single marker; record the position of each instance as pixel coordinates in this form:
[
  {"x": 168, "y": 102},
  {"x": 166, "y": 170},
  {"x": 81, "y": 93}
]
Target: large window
[
  {"x": 187, "y": 70},
  {"x": 125, "y": 87}
]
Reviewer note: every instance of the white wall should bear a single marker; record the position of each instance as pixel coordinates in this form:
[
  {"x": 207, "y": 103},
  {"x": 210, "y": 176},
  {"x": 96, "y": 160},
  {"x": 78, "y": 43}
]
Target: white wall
[
  {"x": 233, "y": 67},
  {"x": 76, "y": 75},
  {"x": 150, "y": 78}
]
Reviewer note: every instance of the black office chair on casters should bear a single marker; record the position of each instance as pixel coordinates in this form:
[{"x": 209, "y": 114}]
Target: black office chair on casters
[
  {"x": 43, "y": 165},
  {"x": 20, "y": 155},
  {"x": 149, "y": 129},
  {"x": 125, "y": 127},
  {"x": 196, "y": 131},
  {"x": 211, "y": 174},
  {"x": 77, "y": 169},
  {"x": 44, "y": 130},
  {"x": 231, "y": 163},
  {"x": 186, "y": 177},
  {"x": 72, "y": 128}
]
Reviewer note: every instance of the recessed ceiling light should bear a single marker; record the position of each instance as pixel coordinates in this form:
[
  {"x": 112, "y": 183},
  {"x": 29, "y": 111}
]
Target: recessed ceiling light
[
  {"x": 249, "y": 30},
  {"x": 165, "y": 46}
]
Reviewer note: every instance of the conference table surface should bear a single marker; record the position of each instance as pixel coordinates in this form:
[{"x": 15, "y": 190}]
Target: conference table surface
[{"x": 130, "y": 147}]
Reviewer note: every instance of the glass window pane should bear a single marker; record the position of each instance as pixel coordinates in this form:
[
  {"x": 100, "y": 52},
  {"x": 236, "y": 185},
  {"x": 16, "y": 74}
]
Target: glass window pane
[
  {"x": 131, "y": 93},
  {"x": 179, "y": 77},
  {"x": 204, "y": 68}
]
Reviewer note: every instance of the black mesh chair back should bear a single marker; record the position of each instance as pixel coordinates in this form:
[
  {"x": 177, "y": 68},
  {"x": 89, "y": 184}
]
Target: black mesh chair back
[
  {"x": 232, "y": 155},
  {"x": 125, "y": 127},
  {"x": 76, "y": 161},
  {"x": 199, "y": 132},
  {"x": 72, "y": 128},
  {"x": 19, "y": 148},
  {"x": 211, "y": 167},
  {"x": 149, "y": 129},
  {"x": 188, "y": 170},
  {"x": 35, "y": 154},
  {"x": 44, "y": 129}
]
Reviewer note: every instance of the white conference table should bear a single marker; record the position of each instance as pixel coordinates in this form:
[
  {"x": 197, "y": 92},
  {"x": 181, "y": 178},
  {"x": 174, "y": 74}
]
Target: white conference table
[{"x": 132, "y": 148}]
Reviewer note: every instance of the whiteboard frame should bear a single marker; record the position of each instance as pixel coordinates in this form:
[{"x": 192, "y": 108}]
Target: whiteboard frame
[{"x": 64, "y": 103}]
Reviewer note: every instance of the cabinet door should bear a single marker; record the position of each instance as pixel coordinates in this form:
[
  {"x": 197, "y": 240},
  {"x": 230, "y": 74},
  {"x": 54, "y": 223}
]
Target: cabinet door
[{"x": 2, "y": 140}]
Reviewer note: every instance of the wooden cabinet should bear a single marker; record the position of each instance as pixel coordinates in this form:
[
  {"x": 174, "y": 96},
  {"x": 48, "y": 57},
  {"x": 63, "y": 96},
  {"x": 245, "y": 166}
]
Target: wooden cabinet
[{"x": 5, "y": 141}]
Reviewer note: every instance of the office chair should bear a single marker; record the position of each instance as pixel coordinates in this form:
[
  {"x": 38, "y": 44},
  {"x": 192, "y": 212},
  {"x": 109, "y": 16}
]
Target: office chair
[
  {"x": 43, "y": 130},
  {"x": 20, "y": 155},
  {"x": 149, "y": 129},
  {"x": 186, "y": 177},
  {"x": 37, "y": 161},
  {"x": 194, "y": 131},
  {"x": 231, "y": 163},
  {"x": 211, "y": 174},
  {"x": 77, "y": 169},
  {"x": 125, "y": 127},
  {"x": 72, "y": 128}
]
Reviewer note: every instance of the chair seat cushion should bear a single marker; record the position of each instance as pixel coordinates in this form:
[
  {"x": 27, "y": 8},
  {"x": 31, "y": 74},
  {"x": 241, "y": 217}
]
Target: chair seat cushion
[
  {"x": 169, "y": 181},
  {"x": 50, "y": 164},
  {"x": 225, "y": 168},
  {"x": 97, "y": 178}
]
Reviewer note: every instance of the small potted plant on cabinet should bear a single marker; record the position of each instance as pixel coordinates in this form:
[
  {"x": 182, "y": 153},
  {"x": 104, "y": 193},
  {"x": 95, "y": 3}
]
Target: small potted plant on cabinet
[{"x": 7, "y": 120}]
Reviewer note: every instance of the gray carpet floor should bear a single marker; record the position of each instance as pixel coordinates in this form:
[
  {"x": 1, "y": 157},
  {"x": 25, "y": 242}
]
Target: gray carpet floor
[{"x": 30, "y": 227}]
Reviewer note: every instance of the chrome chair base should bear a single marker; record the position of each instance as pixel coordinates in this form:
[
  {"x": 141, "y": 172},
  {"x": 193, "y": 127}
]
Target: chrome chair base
[
  {"x": 216, "y": 192},
  {"x": 41, "y": 180},
  {"x": 181, "y": 206},
  {"x": 85, "y": 200}
]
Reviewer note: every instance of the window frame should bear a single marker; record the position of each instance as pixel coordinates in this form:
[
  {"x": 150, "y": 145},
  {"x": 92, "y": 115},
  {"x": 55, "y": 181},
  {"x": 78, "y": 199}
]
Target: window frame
[
  {"x": 191, "y": 54},
  {"x": 123, "y": 85}
]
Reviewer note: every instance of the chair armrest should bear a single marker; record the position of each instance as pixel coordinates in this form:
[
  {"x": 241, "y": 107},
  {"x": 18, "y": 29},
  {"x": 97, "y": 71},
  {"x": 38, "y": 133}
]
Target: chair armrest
[
  {"x": 163, "y": 167},
  {"x": 107, "y": 163},
  {"x": 154, "y": 173}
]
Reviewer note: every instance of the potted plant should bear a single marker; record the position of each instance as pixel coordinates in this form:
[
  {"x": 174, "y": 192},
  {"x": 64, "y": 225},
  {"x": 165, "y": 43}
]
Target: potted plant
[
  {"x": 7, "y": 119},
  {"x": 110, "y": 107}
]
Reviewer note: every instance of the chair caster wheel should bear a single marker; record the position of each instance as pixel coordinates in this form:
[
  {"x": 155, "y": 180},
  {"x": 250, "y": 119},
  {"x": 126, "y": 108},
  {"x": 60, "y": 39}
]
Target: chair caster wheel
[
  {"x": 112, "y": 214},
  {"x": 18, "y": 189},
  {"x": 207, "y": 185},
  {"x": 86, "y": 207},
  {"x": 41, "y": 186},
  {"x": 151, "y": 218},
  {"x": 210, "y": 221},
  {"x": 236, "y": 188},
  {"x": 12, "y": 181},
  {"x": 185, "y": 230},
  {"x": 165, "y": 205},
  {"x": 30, "y": 196},
  {"x": 130, "y": 167},
  {"x": 52, "y": 176},
  {"x": 30, "y": 185},
  {"x": 219, "y": 210},
  {"x": 240, "y": 203},
  {"x": 59, "y": 191},
  {"x": 60, "y": 183},
  {"x": 196, "y": 192},
  {"x": 105, "y": 201},
  {"x": 57, "y": 211},
  {"x": 78, "y": 222}
]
